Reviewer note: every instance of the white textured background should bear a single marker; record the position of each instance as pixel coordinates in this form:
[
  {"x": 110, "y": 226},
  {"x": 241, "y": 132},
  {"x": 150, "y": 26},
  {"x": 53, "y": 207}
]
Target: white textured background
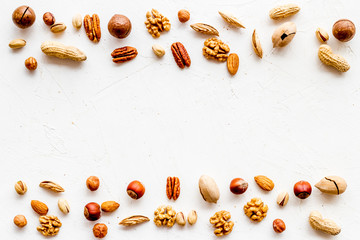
[{"x": 286, "y": 116}]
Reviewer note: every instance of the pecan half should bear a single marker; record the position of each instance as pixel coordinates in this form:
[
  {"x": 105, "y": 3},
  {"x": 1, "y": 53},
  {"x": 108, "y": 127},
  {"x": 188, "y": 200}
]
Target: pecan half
[
  {"x": 92, "y": 27},
  {"x": 180, "y": 54},
  {"x": 173, "y": 187},
  {"x": 124, "y": 54}
]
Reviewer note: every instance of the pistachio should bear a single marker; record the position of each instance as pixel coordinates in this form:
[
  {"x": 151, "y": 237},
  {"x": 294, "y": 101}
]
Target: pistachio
[
  {"x": 20, "y": 187},
  {"x": 282, "y": 199},
  {"x": 283, "y": 35},
  {"x": 192, "y": 217},
  {"x": 322, "y": 35},
  {"x": 180, "y": 219},
  {"x": 17, "y": 43},
  {"x": 64, "y": 205},
  {"x": 58, "y": 27}
]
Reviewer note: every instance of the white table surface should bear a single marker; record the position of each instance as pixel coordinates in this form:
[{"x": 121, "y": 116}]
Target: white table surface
[{"x": 286, "y": 116}]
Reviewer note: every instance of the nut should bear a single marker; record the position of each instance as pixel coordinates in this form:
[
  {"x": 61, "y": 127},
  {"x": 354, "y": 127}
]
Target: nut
[
  {"x": 283, "y": 35},
  {"x": 39, "y": 207},
  {"x": 31, "y": 63},
  {"x": 264, "y": 182},
  {"x": 180, "y": 219},
  {"x": 231, "y": 19},
  {"x": 209, "y": 190},
  {"x": 156, "y": 23},
  {"x": 173, "y": 188},
  {"x": 20, "y": 187},
  {"x": 17, "y": 43},
  {"x": 64, "y": 205},
  {"x": 279, "y": 225},
  {"x": 92, "y": 27},
  {"x": 332, "y": 185},
  {"x": 302, "y": 189},
  {"x": 134, "y": 220},
  {"x": 256, "y": 210},
  {"x": 238, "y": 186},
  {"x": 100, "y": 230},
  {"x": 205, "y": 29},
  {"x": 317, "y": 222},
  {"x": 119, "y": 26},
  {"x": 50, "y": 225},
  {"x": 77, "y": 21},
  {"x": 124, "y": 54},
  {"x": 282, "y": 199},
  {"x": 93, "y": 183},
  {"x": 184, "y": 15},
  {"x": 192, "y": 217},
  {"x": 256, "y": 44},
  {"x": 51, "y": 186},
  {"x": 58, "y": 27},
  {"x": 109, "y": 206},
  {"x": 59, "y": 50},
  {"x": 92, "y": 211},
  {"x": 20, "y": 221},
  {"x": 23, "y": 16},
  {"x": 322, "y": 35},
  {"x": 284, "y": 11},
  {"x": 344, "y": 30},
  {"x": 135, "y": 189},
  {"x": 158, "y": 50},
  {"x": 165, "y": 216},
  {"x": 221, "y": 222},
  {"x": 233, "y": 63},
  {"x": 215, "y": 49},
  {"x": 180, "y": 55},
  {"x": 48, "y": 18},
  {"x": 329, "y": 58}
]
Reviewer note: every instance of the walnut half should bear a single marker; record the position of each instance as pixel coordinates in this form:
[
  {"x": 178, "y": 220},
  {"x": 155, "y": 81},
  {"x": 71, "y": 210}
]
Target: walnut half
[
  {"x": 165, "y": 216},
  {"x": 255, "y": 209},
  {"x": 221, "y": 222},
  {"x": 50, "y": 225}
]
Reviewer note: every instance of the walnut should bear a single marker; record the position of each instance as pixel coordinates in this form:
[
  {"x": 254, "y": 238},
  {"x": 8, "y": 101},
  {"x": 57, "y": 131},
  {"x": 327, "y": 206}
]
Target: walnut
[
  {"x": 215, "y": 49},
  {"x": 221, "y": 223},
  {"x": 165, "y": 216},
  {"x": 50, "y": 225},
  {"x": 256, "y": 210},
  {"x": 156, "y": 23}
]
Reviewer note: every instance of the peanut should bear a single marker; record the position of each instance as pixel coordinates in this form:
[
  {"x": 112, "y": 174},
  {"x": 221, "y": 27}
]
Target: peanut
[
  {"x": 329, "y": 58},
  {"x": 284, "y": 11},
  {"x": 317, "y": 222},
  {"x": 59, "y": 50}
]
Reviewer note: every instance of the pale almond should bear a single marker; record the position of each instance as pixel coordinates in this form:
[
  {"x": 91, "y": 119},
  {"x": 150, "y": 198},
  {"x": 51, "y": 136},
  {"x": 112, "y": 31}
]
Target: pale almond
[
  {"x": 256, "y": 44},
  {"x": 109, "y": 206},
  {"x": 51, "y": 186},
  {"x": 264, "y": 182},
  {"x": 205, "y": 29},
  {"x": 231, "y": 19},
  {"x": 39, "y": 207}
]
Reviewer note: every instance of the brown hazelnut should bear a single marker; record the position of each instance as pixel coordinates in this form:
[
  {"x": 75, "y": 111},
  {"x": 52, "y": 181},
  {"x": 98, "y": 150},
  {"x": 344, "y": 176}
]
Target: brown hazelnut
[
  {"x": 279, "y": 225},
  {"x": 48, "y": 18},
  {"x": 119, "y": 26},
  {"x": 100, "y": 230},
  {"x": 92, "y": 183},
  {"x": 344, "y": 30},
  {"x": 135, "y": 189},
  {"x": 302, "y": 189},
  {"x": 31, "y": 63},
  {"x": 238, "y": 186},
  {"x": 23, "y": 16},
  {"x": 92, "y": 211},
  {"x": 20, "y": 221},
  {"x": 183, "y": 15}
]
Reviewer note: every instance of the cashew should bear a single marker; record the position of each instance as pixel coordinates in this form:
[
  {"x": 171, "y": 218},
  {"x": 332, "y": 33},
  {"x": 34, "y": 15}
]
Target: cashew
[
  {"x": 59, "y": 50},
  {"x": 317, "y": 222},
  {"x": 329, "y": 58}
]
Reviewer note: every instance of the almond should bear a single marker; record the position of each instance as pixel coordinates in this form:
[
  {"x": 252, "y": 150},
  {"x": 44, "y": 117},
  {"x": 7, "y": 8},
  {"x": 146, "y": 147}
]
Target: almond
[
  {"x": 264, "y": 182},
  {"x": 233, "y": 63},
  {"x": 39, "y": 207},
  {"x": 109, "y": 206}
]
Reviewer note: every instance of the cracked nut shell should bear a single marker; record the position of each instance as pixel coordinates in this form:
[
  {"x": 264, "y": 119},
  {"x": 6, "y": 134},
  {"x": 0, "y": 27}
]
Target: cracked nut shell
[
  {"x": 119, "y": 26},
  {"x": 135, "y": 189},
  {"x": 332, "y": 185},
  {"x": 23, "y": 16},
  {"x": 344, "y": 30}
]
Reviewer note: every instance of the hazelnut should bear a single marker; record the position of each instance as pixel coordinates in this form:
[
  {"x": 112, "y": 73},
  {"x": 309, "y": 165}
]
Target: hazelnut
[
  {"x": 31, "y": 63},
  {"x": 92, "y": 211},
  {"x": 92, "y": 183},
  {"x": 344, "y": 30},
  {"x": 238, "y": 186},
  {"x": 23, "y": 16},
  {"x": 48, "y": 18},
  {"x": 100, "y": 230},
  {"x": 119, "y": 26},
  {"x": 279, "y": 225},
  {"x": 20, "y": 187},
  {"x": 183, "y": 15},
  {"x": 135, "y": 189},
  {"x": 20, "y": 221},
  {"x": 302, "y": 189}
]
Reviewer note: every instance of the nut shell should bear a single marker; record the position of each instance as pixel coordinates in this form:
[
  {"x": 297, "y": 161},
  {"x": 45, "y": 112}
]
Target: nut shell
[
  {"x": 284, "y": 34},
  {"x": 119, "y": 26},
  {"x": 332, "y": 185},
  {"x": 135, "y": 189},
  {"x": 100, "y": 230},
  {"x": 93, "y": 183},
  {"x": 209, "y": 190},
  {"x": 48, "y": 18},
  {"x": 23, "y": 16},
  {"x": 20, "y": 187},
  {"x": 238, "y": 186},
  {"x": 184, "y": 15},
  {"x": 279, "y": 225},
  {"x": 344, "y": 30},
  {"x": 92, "y": 211},
  {"x": 20, "y": 221},
  {"x": 302, "y": 189}
]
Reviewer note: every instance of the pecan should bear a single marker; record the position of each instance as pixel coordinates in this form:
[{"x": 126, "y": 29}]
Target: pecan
[
  {"x": 173, "y": 187},
  {"x": 92, "y": 27},
  {"x": 180, "y": 54},
  {"x": 124, "y": 54}
]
